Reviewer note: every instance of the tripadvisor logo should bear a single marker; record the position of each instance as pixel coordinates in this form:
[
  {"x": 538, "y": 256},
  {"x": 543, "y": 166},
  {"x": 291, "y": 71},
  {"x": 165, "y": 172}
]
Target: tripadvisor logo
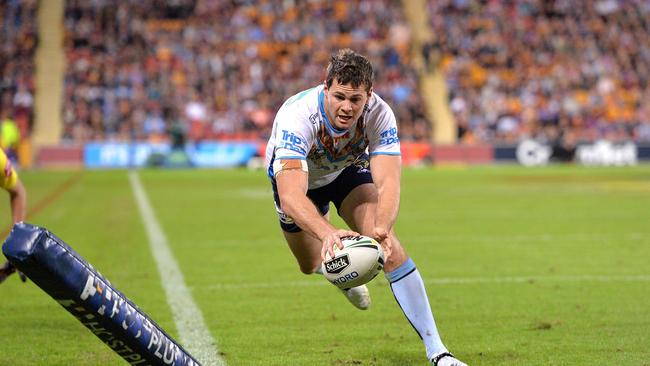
[{"x": 337, "y": 264}]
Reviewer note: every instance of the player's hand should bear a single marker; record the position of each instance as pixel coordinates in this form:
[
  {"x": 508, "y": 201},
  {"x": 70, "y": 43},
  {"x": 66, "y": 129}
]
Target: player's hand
[
  {"x": 332, "y": 239},
  {"x": 382, "y": 236}
]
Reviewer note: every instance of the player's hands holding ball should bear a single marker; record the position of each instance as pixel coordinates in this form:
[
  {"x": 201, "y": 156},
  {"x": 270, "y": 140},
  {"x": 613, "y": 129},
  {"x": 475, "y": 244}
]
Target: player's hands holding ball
[
  {"x": 382, "y": 235},
  {"x": 334, "y": 238}
]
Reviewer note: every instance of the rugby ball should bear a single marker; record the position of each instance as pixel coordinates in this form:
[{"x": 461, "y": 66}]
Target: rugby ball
[{"x": 360, "y": 260}]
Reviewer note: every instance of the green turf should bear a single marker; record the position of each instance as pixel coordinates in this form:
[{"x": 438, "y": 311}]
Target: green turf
[{"x": 543, "y": 266}]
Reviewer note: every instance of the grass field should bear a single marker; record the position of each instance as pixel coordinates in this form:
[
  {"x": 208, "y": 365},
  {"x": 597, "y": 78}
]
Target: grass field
[{"x": 546, "y": 266}]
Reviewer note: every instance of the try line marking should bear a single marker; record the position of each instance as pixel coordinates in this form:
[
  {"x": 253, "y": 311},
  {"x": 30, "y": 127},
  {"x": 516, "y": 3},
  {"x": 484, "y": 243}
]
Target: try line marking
[
  {"x": 446, "y": 281},
  {"x": 193, "y": 332}
]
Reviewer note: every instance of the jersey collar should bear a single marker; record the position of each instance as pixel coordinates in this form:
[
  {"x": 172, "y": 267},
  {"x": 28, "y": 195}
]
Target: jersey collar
[{"x": 321, "y": 105}]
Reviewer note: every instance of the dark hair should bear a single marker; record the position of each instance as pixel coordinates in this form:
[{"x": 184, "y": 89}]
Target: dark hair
[{"x": 347, "y": 66}]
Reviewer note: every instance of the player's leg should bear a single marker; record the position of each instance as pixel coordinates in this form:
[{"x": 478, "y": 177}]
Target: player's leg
[
  {"x": 306, "y": 249},
  {"x": 358, "y": 211},
  {"x": 6, "y": 270}
]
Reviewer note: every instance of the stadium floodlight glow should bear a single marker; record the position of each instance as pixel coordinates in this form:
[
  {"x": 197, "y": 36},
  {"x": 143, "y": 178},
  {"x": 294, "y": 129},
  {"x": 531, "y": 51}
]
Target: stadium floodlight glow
[{"x": 70, "y": 280}]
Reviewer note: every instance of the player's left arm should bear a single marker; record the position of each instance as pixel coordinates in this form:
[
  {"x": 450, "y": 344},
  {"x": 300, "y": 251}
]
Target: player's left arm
[{"x": 386, "y": 170}]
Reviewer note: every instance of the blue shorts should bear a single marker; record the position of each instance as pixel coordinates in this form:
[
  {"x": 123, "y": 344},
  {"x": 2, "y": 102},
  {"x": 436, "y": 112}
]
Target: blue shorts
[{"x": 351, "y": 177}]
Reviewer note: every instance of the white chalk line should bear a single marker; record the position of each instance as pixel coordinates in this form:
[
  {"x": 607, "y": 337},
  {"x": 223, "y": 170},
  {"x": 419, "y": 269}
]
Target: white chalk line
[
  {"x": 193, "y": 332},
  {"x": 445, "y": 281}
]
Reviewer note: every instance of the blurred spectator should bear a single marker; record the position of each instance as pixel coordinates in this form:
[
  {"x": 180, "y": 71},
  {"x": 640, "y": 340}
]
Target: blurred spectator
[
  {"x": 9, "y": 135},
  {"x": 18, "y": 41},
  {"x": 543, "y": 69},
  {"x": 224, "y": 67}
]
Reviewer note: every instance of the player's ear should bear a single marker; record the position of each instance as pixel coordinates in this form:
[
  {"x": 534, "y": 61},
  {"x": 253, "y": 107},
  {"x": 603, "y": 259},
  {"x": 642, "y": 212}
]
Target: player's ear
[
  {"x": 325, "y": 84},
  {"x": 370, "y": 92}
]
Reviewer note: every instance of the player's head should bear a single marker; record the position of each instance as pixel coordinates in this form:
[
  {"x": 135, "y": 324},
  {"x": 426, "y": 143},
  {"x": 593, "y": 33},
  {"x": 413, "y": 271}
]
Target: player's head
[
  {"x": 348, "y": 87},
  {"x": 349, "y": 67}
]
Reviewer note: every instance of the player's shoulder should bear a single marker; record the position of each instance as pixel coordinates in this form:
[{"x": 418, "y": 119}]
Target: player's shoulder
[
  {"x": 305, "y": 101},
  {"x": 300, "y": 113},
  {"x": 377, "y": 108}
]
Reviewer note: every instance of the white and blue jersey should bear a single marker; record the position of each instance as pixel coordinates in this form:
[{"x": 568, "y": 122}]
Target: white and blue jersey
[{"x": 301, "y": 130}]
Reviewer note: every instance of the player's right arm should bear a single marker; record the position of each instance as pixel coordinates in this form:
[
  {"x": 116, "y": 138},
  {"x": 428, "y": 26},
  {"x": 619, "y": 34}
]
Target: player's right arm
[
  {"x": 294, "y": 135},
  {"x": 12, "y": 184},
  {"x": 18, "y": 202},
  {"x": 292, "y": 183}
]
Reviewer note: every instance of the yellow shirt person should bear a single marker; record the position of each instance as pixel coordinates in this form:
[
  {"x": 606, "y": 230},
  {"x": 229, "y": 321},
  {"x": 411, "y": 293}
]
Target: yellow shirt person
[
  {"x": 17, "y": 201},
  {"x": 9, "y": 135}
]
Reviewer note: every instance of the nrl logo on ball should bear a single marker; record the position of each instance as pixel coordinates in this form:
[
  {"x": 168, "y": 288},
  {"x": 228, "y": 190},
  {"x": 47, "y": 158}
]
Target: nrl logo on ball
[{"x": 337, "y": 264}]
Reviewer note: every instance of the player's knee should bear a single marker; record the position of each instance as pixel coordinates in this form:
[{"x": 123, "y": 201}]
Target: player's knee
[
  {"x": 307, "y": 268},
  {"x": 397, "y": 256},
  {"x": 393, "y": 262},
  {"x": 308, "y": 264}
]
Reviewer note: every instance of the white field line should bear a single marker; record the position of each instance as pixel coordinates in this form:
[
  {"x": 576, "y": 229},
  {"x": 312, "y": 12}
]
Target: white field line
[
  {"x": 193, "y": 332},
  {"x": 444, "y": 281},
  {"x": 568, "y": 237}
]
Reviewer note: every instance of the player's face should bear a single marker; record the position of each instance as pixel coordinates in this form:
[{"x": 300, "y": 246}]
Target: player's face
[{"x": 344, "y": 103}]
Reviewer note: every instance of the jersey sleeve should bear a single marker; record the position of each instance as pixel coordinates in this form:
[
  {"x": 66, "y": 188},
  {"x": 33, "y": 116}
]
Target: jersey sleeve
[
  {"x": 294, "y": 134},
  {"x": 382, "y": 132},
  {"x": 8, "y": 177}
]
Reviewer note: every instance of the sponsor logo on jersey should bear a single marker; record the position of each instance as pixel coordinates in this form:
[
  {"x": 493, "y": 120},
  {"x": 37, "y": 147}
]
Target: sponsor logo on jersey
[
  {"x": 388, "y": 137},
  {"x": 338, "y": 264},
  {"x": 292, "y": 142},
  {"x": 314, "y": 118},
  {"x": 284, "y": 218}
]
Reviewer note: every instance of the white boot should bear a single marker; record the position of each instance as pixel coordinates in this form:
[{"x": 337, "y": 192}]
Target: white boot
[
  {"x": 359, "y": 296},
  {"x": 446, "y": 359}
]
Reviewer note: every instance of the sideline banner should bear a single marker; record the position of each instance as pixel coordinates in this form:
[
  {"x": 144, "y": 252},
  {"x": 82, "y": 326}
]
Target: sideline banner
[
  {"x": 133, "y": 155},
  {"x": 121, "y": 155},
  {"x": 602, "y": 152}
]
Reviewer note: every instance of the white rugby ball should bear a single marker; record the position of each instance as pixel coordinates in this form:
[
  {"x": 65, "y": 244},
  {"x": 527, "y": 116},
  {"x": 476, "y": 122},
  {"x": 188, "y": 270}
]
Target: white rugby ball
[{"x": 360, "y": 260}]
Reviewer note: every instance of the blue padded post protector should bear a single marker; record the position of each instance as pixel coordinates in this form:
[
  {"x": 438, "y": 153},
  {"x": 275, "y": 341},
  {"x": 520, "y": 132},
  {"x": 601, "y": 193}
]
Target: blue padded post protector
[{"x": 63, "y": 274}]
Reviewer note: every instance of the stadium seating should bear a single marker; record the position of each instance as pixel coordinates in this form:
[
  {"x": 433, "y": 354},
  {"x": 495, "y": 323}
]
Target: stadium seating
[
  {"x": 565, "y": 71},
  {"x": 221, "y": 69},
  {"x": 561, "y": 71},
  {"x": 18, "y": 41}
]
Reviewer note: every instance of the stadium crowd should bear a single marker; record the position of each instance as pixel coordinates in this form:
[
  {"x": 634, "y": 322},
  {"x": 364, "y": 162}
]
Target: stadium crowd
[
  {"x": 220, "y": 69},
  {"x": 562, "y": 71},
  {"x": 18, "y": 41},
  {"x": 557, "y": 71}
]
